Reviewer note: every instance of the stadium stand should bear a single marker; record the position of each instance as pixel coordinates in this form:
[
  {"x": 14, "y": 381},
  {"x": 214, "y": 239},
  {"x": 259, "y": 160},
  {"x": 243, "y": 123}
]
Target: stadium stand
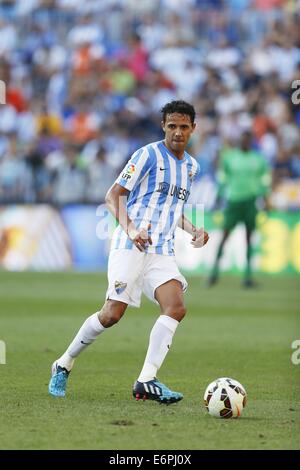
[{"x": 85, "y": 81}]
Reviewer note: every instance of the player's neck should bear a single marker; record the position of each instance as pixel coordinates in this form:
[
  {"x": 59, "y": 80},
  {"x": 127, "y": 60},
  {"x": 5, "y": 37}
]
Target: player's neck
[{"x": 178, "y": 154}]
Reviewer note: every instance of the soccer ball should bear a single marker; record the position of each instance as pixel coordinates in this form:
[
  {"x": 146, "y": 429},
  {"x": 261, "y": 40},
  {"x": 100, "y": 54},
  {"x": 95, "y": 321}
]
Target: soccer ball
[{"x": 225, "y": 398}]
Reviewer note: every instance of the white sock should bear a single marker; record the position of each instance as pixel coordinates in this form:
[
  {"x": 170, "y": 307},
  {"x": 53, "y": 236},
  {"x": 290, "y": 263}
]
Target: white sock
[
  {"x": 87, "y": 334},
  {"x": 160, "y": 341}
]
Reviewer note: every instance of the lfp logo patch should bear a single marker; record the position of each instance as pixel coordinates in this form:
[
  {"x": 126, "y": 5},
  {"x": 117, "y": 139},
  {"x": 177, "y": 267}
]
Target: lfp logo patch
[{"x": 129, "y": 171}]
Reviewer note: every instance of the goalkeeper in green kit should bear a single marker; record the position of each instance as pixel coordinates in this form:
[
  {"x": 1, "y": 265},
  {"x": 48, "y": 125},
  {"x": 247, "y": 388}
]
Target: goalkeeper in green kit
[{"x": 244, "y": 176}]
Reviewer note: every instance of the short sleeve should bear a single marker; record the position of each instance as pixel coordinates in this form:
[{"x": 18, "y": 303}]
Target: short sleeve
[
  {"x": 135, "y": 170},
  {"x": 198, "y": 172},
  {"x": 194, "y": 170}
]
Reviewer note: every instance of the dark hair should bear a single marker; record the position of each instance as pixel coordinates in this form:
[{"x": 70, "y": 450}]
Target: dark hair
[{"x": 181, "y": 107}]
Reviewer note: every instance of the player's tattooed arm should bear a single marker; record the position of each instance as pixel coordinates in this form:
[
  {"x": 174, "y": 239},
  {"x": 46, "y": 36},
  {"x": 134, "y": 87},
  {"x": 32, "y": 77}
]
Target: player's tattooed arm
[
  {"x": 116, "y": 199},
  {"x": 199, "y": 236}
]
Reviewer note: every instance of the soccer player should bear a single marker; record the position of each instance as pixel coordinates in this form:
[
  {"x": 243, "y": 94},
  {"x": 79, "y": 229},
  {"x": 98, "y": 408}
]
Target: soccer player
[
  {"x": 244, "y": 176},
  {"x": 147, "y": 199}
]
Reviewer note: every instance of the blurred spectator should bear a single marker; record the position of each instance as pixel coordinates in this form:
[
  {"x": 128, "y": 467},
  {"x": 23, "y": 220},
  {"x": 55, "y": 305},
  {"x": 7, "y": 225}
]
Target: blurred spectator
[
  {"x": 82, "y": 125},
  {"x": 15, "y": 176},
  {"x": 69, "y": 179},
  {"x": 100, "y": 177}
]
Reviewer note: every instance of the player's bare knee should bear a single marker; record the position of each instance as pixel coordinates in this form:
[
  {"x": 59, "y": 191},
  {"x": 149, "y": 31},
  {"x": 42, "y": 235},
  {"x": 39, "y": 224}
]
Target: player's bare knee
[
  {"x": 109, "y": 318},
  {"x": 180, "y": 312},
  {"x": 111, "y": 313},
  {"x": 176, "y": 311}
]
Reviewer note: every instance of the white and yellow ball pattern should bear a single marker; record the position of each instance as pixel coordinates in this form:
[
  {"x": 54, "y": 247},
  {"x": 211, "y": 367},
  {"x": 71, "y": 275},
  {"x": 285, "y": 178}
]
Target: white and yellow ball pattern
[{"x": 225, "y": 398}]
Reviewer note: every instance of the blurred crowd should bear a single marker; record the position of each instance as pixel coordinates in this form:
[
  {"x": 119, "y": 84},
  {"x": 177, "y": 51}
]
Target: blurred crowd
[{"x": 85, "y": 81}]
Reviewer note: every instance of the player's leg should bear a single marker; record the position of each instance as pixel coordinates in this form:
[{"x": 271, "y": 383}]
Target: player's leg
[
  {"x": 93, "y": 326},
  {"x": 170, "y": 298},
  {"x": 123, "y": 289},
  {"x": 250, "y": 213},
  {"x": 231, "y": 218},
  {"x": 109, "y": 315},
  {"x": 214, "y": 276},
  {"x": 248, "y": 280}
]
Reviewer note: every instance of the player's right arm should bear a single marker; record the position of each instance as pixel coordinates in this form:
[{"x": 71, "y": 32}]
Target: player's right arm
[
  {"x": 116, "y": 199},
  {"x": 135, "y": 170}
]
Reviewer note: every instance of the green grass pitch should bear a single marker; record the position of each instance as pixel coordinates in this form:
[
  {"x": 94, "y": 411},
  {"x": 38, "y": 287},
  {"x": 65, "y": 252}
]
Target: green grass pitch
[{"x": 246, "y": 335}]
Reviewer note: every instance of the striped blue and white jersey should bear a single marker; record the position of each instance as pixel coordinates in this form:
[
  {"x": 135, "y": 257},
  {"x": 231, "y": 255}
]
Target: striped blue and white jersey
[{"x": 159, "y": 186}]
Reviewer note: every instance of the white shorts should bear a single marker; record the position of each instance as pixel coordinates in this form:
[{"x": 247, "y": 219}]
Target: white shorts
[{"x": 131, "y": 272}]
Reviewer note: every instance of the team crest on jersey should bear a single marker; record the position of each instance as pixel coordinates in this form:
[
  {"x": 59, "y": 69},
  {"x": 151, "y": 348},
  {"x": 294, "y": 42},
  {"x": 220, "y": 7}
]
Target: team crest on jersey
[
  {"x": 129, "y": 171},
  {"x": 120, "y": 286}
]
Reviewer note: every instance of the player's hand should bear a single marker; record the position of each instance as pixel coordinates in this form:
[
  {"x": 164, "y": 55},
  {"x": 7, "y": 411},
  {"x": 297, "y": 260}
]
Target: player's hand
[
  {"x": 200, "y": 237},
  {"x": 140, "y": 237}
]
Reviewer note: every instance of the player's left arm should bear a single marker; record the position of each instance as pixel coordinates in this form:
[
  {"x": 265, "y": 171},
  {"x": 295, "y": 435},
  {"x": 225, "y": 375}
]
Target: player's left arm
[{"x": 199, "y": 236}]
